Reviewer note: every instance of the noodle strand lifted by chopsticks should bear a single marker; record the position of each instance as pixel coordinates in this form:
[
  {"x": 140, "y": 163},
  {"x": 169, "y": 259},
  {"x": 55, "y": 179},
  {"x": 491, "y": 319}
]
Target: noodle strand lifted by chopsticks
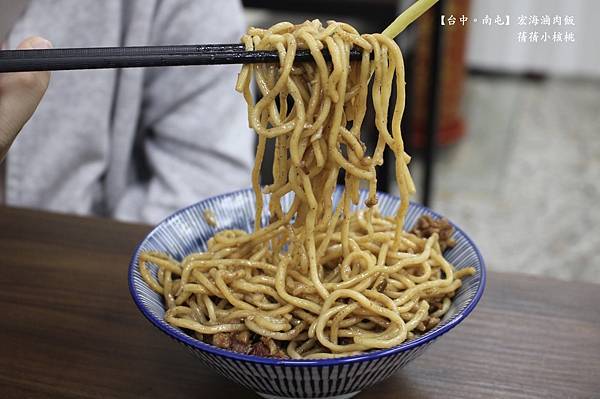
[{"x": 317, "y": 281}]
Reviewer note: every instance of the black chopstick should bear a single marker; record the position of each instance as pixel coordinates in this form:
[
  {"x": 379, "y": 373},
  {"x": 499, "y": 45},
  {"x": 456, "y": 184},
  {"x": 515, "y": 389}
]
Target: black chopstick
[{"x": 143, "y": 56}]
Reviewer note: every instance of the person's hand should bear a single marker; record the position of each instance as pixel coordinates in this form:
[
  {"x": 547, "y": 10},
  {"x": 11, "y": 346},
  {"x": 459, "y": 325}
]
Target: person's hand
[{"x": 20, "y": 94}]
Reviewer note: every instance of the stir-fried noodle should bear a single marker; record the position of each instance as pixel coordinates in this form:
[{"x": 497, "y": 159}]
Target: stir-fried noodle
[{"x": 318, "y": 280}]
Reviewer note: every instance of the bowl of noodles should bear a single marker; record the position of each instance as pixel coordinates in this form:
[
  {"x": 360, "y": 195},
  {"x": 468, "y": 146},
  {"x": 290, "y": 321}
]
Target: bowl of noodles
[
  {"x": 304, "y": 288},
  {"x": 267, "y": 372}
]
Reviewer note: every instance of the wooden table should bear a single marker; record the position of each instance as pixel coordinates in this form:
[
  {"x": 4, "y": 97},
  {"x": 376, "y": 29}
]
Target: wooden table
[{"x": 68, "y": 329}]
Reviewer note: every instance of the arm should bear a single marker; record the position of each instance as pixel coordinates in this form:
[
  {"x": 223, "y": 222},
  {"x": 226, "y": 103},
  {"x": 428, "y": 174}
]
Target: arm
[
  {"x": 196, "y": 140},
  {"x": 20, "y": 94}
]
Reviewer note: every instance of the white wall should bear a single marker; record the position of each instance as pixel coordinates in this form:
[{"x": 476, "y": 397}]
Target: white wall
[{"x": 497, "y": 47}]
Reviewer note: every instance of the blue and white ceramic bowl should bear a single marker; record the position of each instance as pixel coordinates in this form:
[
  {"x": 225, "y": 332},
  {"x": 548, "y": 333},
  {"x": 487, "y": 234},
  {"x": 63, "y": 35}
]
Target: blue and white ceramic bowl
[{"x": 186, "y": 231}]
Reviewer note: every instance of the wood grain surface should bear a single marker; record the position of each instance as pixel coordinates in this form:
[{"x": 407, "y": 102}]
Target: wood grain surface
[{"x": 69, "y": 329}]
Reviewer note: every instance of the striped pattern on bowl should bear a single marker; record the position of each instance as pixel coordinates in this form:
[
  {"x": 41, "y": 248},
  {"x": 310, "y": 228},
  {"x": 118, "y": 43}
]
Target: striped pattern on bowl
[{"x": 187, "y": 231}]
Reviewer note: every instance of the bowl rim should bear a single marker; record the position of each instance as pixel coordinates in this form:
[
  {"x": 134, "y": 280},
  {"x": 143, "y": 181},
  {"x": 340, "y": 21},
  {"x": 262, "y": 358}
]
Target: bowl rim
[{"x": 367, "y": 356}]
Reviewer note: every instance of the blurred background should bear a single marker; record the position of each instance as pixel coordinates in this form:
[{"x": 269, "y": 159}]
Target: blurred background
[
  {"x": 517, "y": 155},
  {"x": 502, "y": 116}
]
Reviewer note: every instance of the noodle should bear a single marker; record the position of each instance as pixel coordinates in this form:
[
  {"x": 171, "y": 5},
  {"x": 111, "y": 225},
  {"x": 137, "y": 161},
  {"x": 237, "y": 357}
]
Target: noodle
[{"x": 316, "y": 282}]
